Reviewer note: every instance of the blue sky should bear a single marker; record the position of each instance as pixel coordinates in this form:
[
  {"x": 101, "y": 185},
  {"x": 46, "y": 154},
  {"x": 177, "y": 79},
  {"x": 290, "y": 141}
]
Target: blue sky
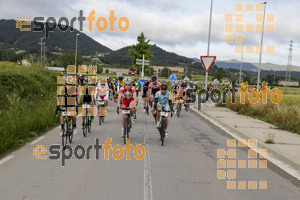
[{"x": 177, "y": 26}]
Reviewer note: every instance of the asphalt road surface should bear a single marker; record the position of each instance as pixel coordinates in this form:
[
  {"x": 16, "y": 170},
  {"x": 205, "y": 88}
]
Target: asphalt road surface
[{"x": 184, "y": 168}]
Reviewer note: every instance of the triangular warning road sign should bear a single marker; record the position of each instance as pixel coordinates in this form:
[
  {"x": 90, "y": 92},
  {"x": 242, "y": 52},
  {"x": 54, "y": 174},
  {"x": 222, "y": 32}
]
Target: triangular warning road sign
[{"x": 207, "y": 62}]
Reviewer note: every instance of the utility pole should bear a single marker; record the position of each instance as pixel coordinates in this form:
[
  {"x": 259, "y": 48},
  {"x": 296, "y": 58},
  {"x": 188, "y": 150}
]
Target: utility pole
[
  {"x": 262, "y": 39},
  {"x": 289, "y": 66}
]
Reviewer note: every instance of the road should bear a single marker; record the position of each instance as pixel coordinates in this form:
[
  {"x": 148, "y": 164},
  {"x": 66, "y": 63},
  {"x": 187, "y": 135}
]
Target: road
[{"x": 185, "y": 168}]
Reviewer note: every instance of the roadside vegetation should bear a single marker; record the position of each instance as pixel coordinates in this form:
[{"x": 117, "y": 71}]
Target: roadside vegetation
[{"x": 27, "y": 98}]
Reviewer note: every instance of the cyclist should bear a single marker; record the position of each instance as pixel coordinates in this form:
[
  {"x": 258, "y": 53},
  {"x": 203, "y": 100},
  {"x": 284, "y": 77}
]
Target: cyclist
[
  {"x": 136, "y": 86},
  {"x": 120, "y": 83},
  {"x": 163, "y": 102},
  {"x": 144, "y": 91},
  {"x": 64, "y": 107},
  {"x": 128, "y": 93},
  {"x": 154, "y": 87},
  {"x": 174, "y": 90},
  {"x": 191, "y": 92},
  {"x": 87, "y": 98},
  {"x": 102, "y": 94},
  {"x": 182, "y": 93},
  {"x": 111, "y": 87}
]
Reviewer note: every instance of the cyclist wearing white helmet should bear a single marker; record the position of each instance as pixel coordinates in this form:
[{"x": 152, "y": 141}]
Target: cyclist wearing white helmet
[{"x": 129, "y": 99}]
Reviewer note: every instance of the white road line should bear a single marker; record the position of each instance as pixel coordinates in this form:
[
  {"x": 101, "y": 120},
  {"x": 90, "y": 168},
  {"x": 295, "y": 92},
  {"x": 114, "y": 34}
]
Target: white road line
[
  {"x": 35, "y": 141},
  {"x": 147, "y": 171},
  {"x": 5, "y": 159},
  {"x": 285, "y": 167}
]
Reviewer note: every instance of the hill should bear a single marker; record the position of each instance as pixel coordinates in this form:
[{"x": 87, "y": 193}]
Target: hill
[
  {"x": 161, "y": 57},
  {"x": 60, "y": 42}
]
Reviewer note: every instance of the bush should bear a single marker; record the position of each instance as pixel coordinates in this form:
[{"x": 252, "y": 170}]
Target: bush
[{"x": 28, "y": 98}]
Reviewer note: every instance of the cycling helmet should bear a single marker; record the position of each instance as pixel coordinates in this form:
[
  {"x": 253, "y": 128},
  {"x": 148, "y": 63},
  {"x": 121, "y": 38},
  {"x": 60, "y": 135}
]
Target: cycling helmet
[
  {"x": 176, "y": 82},
  {"x": 146, "y": 78},
  {"x": 153, "y": 78},
  {"x": 191, "y": 84},
  {"x": 164, "y": 86},
  {"x": 182, "y": 84},
  {"x": 127, "y": 80},
  {"x": 120, "y": 78}
]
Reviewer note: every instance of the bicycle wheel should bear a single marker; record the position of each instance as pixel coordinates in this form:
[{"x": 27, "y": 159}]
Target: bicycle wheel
[
  {"x": 178, "y": 110},
  {"x": 147, "y": 108},
  {"x": 126, "y": 122},
  {"x": 89, "y": 123},
  {"x": 187, "y": 107},
  {"x": 100, "y": 120},
  {"x": 84, "y": 128},
  {"x": 162, "y": 130},
  {"x": 154, "y": 115},
  {"x": 70, "y": 132},
  {"x": 64, "y": 135}
]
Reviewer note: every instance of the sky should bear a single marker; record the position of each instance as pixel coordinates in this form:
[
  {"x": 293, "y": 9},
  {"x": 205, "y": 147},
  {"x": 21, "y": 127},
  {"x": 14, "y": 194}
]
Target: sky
[{"x": 176, "y": 26}]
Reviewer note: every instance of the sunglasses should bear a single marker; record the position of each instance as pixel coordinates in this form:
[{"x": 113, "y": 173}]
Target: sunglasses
[{"x": 127, "y": 84}]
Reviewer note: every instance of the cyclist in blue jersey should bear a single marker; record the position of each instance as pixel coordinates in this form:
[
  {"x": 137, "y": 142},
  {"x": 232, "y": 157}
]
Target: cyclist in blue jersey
[{"x": 163, "y": 102}]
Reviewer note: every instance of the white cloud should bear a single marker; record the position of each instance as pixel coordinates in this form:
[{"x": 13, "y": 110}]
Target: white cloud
[{"x": 177, "y": 26}]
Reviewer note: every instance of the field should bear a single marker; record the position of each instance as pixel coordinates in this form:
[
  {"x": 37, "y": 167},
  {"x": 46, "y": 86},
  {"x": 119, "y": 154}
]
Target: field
[{"x": 285, "y": 115}]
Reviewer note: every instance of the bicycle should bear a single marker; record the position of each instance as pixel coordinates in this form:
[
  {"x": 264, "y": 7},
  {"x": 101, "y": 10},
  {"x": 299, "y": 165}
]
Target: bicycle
[
  {"x": 162, "y": 124},
  {"x": 187, "y": 105},
  {"x": 179, "y": 109},
  {"x": 101, "y": 118},
  {"x": 67, "y": 130},
  {"x": 87, "y": 123},
  {"x": 127, "y": 123},
  {"x": 147, "y": 106}
]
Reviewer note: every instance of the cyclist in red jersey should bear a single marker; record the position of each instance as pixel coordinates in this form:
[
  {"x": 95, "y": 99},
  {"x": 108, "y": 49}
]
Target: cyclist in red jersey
[{"x": 129, "y": 99}]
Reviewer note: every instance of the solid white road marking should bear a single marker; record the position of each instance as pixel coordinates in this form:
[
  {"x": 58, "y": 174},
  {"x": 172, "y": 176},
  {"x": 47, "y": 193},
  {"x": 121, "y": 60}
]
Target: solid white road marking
[
  {"x": 147, "y": 171},
  {"x": 5, "y": 159},
  {"x": 35, "y": 141}
]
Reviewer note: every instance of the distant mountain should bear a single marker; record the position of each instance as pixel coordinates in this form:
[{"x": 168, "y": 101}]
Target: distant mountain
[
  {"x": 235, "y": 64},
  {"x": 161, "y": 57},
  {"x": 13, "y": 38}
]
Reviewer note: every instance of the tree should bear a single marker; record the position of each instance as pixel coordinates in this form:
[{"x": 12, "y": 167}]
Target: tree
[
  {"x": 247, "y": 78},
  {"x": 99, "y": 69},
  {"x": 106, "y": 71},
  {"x": 68, "y": 58},
  {"x": 165, "y": 72},
  {"x": 219, "y": 74},
  {"x": 142, "y": 47}
]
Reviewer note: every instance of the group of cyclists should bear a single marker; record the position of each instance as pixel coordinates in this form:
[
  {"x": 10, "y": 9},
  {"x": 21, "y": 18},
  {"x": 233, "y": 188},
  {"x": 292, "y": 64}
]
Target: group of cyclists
[{"x": 124, "y": 91}]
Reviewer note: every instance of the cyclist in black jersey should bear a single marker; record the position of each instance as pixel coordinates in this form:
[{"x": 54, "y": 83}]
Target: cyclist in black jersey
[{"x": 144, "y": 91}]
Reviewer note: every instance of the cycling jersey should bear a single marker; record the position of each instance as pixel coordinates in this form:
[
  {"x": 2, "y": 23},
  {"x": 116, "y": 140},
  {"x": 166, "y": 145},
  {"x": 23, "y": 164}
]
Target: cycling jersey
[
  {"x": 190, "y": 89},
  {"x": 102, "y": 96},
  {"x": 87, "y": 98},
  {"x": 163, "y": 100},
  {"x": 127, "y": 94},
  {"x": 145, "y": 89},
  {"x": 66, "y": 95},
  {"x": 155, "y": 87}
]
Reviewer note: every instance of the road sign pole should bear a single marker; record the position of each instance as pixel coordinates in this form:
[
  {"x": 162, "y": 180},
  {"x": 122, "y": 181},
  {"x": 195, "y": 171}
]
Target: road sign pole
[
  {"x": 206, "y": 77},
  {"x": 143, "y": 66},
  {"x": 208, "y": 45}
]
